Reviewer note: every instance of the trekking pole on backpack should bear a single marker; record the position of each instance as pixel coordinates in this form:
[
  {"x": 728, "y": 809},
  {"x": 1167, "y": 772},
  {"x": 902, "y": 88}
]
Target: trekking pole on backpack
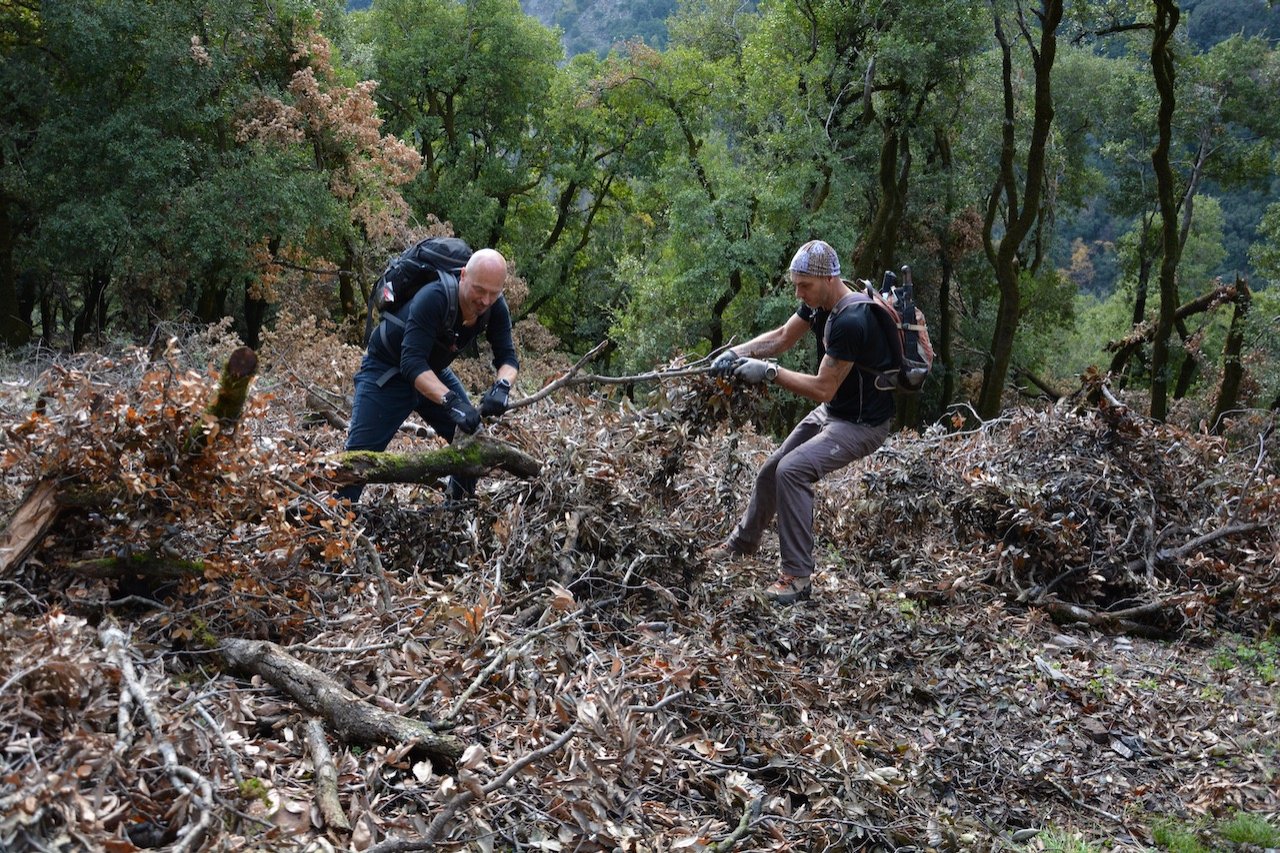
[{"x": 917, "y": 365}]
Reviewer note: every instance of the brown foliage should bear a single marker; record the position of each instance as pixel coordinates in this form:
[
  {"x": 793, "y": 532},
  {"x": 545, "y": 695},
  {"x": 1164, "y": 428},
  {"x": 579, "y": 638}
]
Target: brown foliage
[{"x": 924, "y": 697}]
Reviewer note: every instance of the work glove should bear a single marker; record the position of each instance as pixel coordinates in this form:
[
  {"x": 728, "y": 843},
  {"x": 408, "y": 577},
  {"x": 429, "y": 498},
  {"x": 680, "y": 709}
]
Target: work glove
[
  {"x": 494, "y": 401},
  {"x": 725, "y": 363},
  {"x": 462, "y": 413},
  {"x": 753, "y": 371}
]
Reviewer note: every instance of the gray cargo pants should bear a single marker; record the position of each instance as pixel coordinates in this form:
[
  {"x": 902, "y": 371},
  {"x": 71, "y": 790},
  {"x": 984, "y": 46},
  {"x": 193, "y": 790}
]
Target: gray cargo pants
[{"x": 817, "y": 446}]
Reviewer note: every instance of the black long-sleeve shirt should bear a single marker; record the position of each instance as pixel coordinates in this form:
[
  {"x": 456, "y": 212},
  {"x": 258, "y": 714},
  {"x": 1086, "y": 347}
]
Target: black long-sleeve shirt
[{"x": 423, "y": 343}]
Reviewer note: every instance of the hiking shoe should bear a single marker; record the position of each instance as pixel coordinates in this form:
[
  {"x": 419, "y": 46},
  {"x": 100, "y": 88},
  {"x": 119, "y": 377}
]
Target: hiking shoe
[
  {"x": 722, "y": 553},
  {"x": 788, "y": 589}
]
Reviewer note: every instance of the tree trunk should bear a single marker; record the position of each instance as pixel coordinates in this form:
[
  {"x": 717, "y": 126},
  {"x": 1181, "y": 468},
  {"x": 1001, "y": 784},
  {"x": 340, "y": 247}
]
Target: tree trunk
[
  {"x": 348, "y": 284},
  {"x": 876, "y": 252},
  {"x": 1146, "y": 260},
  {"x": 1233, "y": 356},
  {"x": 716, "y": 333},
  {"x": 1018, "y": 217},
  {"x": 15, "y": 329},
  {"x": 89, "y": 317},
  {"x": 255, "y": 314},
  {"x": 946, "y": 267},
  {"x": 1166, "y": 22}
]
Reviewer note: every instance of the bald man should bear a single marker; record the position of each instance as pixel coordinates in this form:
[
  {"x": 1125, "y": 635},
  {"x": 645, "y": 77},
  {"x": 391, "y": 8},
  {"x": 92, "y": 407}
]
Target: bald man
[{"x": 406, "y": 368}]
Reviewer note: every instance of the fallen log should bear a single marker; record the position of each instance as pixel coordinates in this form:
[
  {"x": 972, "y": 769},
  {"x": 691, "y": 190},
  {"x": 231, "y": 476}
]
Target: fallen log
[
  {"x": 354, "y": 720},
  {"x": 469, "y": 456},
  {"x": 28, "y": 524},
  {"x": 148, "y": 566}
]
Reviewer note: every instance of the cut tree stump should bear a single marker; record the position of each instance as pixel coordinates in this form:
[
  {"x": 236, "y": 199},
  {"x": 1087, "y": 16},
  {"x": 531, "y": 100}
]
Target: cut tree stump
[
  {"x": 224, "y": 411},
  {"x": 354, "y": 720}
]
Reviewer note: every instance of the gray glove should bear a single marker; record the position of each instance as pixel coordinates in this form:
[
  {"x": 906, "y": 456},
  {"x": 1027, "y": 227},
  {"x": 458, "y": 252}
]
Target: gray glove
[
  {"x": 754, "y": 371},
  {"x": 725, "y": 363}
]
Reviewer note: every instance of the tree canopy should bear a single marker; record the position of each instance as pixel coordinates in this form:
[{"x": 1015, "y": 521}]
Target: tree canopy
[{"x": 169, "y": 161}]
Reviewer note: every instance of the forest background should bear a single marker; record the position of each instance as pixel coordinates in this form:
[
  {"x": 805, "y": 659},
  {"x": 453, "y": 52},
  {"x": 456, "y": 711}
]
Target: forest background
[
  {"x": 1035, "y": 624},
  {"x": 1063, "y": 178}
]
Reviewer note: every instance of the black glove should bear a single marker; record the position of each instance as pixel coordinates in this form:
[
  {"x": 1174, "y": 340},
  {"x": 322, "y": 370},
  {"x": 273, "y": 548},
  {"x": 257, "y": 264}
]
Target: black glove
[
  {"x": 725, "y": 363},
  {"x": 494, "y": 401},
  {"x": 462, "y": 413}
]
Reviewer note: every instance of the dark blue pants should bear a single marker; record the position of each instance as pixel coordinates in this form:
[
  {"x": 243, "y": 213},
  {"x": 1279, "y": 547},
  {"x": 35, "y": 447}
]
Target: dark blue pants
[{"x": 379, "y": 410}]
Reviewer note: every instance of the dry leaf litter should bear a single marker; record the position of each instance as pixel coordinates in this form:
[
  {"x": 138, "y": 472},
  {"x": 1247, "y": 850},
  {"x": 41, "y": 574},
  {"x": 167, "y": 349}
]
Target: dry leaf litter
[{"x": 956, "y": 683}]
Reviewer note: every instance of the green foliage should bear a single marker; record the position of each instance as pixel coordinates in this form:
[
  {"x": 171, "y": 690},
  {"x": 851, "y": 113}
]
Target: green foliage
[
  {"x": 1213, "y": 21},
  {"x": 1259, "y": 660},
  {"x": 1265, "y": 254},
  {"x": 465, "y": 81},
  {"x": 1240, "y": 828},
  {"x": 170, "y": 150},
  {"x": 1048, "y": 301},
  {"x": 1097, "y": 322},
  {"x": 1176, "y": 838},
  {"x": 1252, "y": 829},
  {"x": 180, "y": 158},
  {"x": 253, "y": 788},
  {"x": 1063, "y": 841}
]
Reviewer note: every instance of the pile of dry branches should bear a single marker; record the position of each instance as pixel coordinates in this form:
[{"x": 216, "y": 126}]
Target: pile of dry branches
[{"x": 556, "y": 667}]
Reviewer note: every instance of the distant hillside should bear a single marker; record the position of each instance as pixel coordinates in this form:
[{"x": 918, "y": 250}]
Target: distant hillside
[
  {"x": 594, "y": 25},
  {"x": 1212, "y": 21}
]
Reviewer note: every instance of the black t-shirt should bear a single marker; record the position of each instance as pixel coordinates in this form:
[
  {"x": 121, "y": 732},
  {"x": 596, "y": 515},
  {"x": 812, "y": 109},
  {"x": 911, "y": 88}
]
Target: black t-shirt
[
  {"x": 854, "y": 335},
  {"x": 424, "y": 344}
]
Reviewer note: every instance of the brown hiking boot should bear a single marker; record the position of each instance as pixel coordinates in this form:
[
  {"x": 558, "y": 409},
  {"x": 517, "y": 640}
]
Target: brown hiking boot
[{"x": 788, "y": 589}]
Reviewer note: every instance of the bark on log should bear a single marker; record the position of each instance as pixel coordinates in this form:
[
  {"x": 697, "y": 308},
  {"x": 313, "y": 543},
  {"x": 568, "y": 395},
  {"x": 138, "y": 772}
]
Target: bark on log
[
  {"x": 353, "y": 719},
  {"x": 28, "y": 524},
  {"x": 149, "y": 566},
  {"x": 470, "y": 456},
  {"x": 326, "y": 774}
]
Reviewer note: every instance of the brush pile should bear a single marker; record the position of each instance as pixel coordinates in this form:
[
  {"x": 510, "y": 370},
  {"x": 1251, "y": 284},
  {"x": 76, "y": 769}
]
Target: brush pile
[{"x": 1027, "y": 625}]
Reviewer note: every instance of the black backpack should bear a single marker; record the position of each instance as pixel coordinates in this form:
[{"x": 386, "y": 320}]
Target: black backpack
[{"x": 430, "y": 260}]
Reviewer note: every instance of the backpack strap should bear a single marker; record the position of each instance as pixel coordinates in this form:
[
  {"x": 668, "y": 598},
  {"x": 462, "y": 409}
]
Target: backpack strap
[{"x": 887, "y": 327}]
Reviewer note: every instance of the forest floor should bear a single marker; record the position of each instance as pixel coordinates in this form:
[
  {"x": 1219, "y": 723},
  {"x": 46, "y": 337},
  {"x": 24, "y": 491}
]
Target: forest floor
[{"x": 1056, "y": 628}]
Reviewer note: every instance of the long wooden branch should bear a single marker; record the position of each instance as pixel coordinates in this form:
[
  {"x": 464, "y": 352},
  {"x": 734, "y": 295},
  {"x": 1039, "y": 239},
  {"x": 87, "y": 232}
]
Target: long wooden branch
[
  {"x": 1194, "y": 544},
  {"x": 1127, "y": 346},
  {"x": 749, "y": 814},
  {"x": 572, "y": 377},
  {"x": 326, "y": 775},
  {"x": 353, "y": 719},
  {"x": 148, "y": 566},
  {"x": 182, "y": 778}
]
